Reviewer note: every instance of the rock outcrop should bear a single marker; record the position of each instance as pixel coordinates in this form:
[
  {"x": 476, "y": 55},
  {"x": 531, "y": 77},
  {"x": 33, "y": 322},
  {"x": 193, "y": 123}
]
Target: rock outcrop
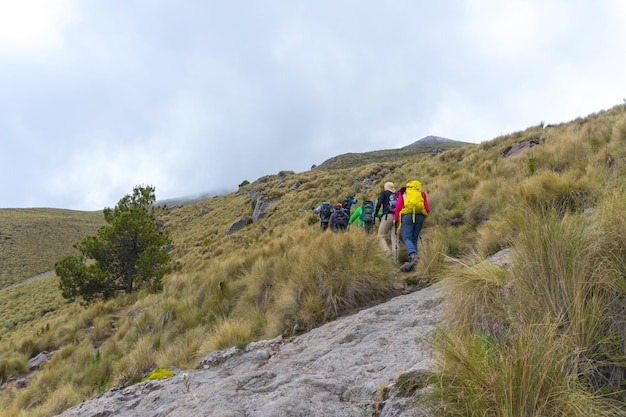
[
  {"x": 519, "y": 147},
  {"x": 238, "y": 225},
  {"x": 262, "y": 206},
  {"x": 348, "y": 367}
]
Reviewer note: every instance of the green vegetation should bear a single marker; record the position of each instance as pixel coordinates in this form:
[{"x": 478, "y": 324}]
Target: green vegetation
[
  {"x": 126, "y": 255},
  {"x": 545, "y": 337}
]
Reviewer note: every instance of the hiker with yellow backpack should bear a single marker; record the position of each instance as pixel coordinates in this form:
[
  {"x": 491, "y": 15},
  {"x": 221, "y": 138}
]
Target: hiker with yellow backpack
[{"x": 411, "y": 210}]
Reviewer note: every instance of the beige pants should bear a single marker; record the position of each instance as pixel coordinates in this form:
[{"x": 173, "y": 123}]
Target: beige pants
[{"x": 386, "y": 233}]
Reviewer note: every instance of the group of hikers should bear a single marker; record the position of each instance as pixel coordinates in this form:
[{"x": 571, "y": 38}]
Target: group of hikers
[{"x": 400, "y": 213}]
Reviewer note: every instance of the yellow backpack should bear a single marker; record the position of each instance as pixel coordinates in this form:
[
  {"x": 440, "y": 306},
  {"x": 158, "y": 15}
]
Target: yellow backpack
[{"x": 413, "y": 199}]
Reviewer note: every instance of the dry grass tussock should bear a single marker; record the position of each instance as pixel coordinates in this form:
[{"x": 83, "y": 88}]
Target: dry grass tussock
[
  {"x": 557, "y": 312},
  {"x": 559, "y": 206}
]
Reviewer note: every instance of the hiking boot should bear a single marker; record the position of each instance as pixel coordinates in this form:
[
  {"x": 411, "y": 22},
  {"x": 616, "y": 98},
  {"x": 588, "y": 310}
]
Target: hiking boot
[{"x": 408, "y": 266}]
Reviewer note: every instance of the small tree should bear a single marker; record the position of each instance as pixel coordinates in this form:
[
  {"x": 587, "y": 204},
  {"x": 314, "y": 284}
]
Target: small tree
[{"x": 127, "y": 254}]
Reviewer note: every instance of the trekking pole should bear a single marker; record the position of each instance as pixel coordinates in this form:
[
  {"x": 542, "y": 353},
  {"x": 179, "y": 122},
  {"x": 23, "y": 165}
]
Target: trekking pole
[{"x": 397, "y": 243}]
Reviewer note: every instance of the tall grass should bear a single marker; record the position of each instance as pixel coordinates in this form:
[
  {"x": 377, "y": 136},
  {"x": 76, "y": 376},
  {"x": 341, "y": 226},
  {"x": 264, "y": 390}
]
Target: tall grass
[
  {"x": 477, "y": 298},
  {"x": 434, "y": 246},
  {"x": 529, "y": 371},
  {"x": 534, "y": 341}
]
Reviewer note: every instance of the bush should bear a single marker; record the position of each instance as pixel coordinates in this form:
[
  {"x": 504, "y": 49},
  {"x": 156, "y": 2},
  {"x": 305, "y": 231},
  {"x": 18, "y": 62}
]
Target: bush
[{"x": 12, "y": 364}]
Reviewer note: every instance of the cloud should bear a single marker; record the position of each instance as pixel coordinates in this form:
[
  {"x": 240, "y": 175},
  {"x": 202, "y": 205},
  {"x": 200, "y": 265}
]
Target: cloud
[
  {"x": 33, "y": 26},
  {"x": 197, "y": 96}
]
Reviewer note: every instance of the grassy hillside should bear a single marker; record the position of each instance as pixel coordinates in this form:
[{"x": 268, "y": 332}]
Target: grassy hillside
[
  {"x": 558, "y": 206},
  {"x": 32, "y": 240}
]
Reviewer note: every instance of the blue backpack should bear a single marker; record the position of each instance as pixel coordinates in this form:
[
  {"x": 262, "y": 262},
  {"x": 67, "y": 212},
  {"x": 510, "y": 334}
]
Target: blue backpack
[{"x": 393, "y": 197}]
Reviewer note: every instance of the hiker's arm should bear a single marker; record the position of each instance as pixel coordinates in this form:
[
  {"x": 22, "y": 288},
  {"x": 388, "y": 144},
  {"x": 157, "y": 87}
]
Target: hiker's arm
[
  {"x": 355, "y": 215},
  {"x": 379, "y": 202},
  {"x": 426, "y": 207},
  {"x": 399, "y": 207}
]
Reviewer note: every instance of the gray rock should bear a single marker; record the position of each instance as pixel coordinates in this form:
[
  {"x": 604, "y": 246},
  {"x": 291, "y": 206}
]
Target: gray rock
[
  {"x": 295, "y": 186},
  {"x": 39, "y": 360},
  {"x": 238, "y": 225},
  {"x": 517, "y": 148},
  {"x": 262, "y": 206},
  {"x": 504, "y": 258},
  {"x": 336, "y": 370}
]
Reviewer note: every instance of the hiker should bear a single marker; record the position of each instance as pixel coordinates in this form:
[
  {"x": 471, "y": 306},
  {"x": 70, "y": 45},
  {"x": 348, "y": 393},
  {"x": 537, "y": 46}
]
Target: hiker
[
  {"x": 339, "y": 219},
  {"x": 324, "y": 210},
  {"x": 365, "y": 216},
  {"x": 348, "y": 202},
  {"x": 411, "y": 210},
  {"x": 386, "y": 231}
]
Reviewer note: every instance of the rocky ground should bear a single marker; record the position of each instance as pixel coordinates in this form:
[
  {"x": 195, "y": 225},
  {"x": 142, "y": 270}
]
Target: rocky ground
[{"x": 357, "y": 365}]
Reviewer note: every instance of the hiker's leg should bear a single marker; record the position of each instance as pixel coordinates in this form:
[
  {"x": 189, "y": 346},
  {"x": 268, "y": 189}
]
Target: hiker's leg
[
  {"x": 407, "y": 237},
  {"x": 417, "y": 228},
  {"x": 386, "y": 225},
  {"x": 407, "y": 233}
]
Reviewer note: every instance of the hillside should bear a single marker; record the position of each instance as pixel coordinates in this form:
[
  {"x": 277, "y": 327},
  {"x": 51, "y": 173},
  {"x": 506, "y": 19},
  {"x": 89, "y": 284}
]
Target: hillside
[
  {"x": 31, "y": 240},
  {"x": 252, "y": 265}
]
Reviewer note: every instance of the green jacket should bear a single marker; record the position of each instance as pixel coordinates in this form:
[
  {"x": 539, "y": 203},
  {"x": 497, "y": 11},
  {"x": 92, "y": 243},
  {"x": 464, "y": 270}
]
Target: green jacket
[{"x": 357, "y": 216}]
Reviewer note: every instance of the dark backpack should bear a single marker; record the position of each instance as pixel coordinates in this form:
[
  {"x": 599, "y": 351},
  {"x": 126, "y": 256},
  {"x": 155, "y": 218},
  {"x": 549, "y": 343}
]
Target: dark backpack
[
  {"x": 325, "y": 212},
  {"x": 341, "y": 219},
  {"x": 367, "y": 212}
]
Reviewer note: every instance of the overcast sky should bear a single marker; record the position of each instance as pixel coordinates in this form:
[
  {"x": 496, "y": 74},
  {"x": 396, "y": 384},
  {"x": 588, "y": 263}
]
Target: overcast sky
[{"x": 193, "y": 96}]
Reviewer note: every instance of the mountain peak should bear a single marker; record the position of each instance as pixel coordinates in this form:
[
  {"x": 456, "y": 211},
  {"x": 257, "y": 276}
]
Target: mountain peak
[{"x": 432, "y": 140}]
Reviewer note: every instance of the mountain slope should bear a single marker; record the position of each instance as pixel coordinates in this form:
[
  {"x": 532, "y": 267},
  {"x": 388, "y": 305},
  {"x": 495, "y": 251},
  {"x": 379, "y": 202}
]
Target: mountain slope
[
  {"x": 252, "y": 264},
  {"x": 31, "y": 240}
]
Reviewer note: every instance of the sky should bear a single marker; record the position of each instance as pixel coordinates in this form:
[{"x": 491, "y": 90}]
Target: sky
[{"x": 196, "y": 96}]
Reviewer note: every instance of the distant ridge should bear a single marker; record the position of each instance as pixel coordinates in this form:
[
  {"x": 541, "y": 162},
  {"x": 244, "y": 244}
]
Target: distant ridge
[
  {"x": 434, "y": 140},
  {"x": 428, "y": 145},
  {"x": 180, "y": 201}
]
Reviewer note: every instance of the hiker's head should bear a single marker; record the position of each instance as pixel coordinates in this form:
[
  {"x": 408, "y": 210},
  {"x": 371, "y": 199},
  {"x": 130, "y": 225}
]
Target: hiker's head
[
  {"x": 390, "y": 187},
  {"x": 338, "y": 205}
]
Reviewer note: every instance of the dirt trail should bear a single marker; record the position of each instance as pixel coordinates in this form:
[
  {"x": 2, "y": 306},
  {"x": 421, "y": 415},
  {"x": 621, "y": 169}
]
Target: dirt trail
[{"x": 27, "y": 280}]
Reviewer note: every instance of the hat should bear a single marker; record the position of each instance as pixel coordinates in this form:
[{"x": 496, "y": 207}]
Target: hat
[
  {"x": 390, "y": 187},
  {"x": 339, "y": 205}
]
